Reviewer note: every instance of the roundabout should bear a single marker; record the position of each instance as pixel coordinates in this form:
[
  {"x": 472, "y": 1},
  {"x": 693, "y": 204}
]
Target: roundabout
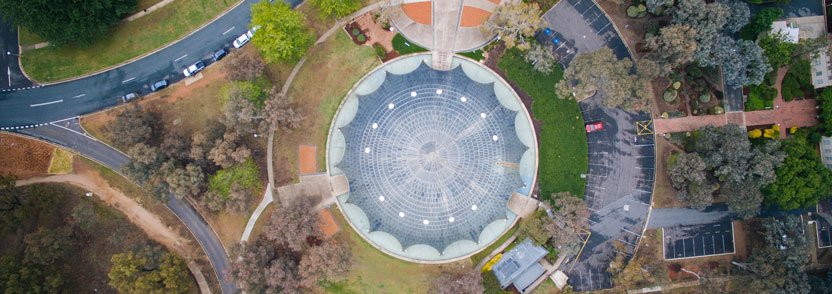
[{"x": 432, "y": 158}]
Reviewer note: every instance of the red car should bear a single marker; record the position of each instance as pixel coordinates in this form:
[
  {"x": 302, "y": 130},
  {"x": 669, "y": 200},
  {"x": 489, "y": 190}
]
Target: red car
[{"x": 594, "y": 127}]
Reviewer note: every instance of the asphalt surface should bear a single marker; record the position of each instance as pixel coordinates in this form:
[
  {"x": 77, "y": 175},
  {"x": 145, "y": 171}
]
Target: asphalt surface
[
  {"x": 50, "y": 112},
  {"x": 580, "y": 27},
  {"x": 618, "y": 189},
  {"x": 698, "y": 240},
  {"x": 55, "y": 102},
  {"x": 10, "y": 74}
]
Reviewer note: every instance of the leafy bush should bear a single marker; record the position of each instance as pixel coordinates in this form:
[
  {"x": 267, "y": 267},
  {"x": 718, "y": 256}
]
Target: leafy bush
[
  {"x": 356, "y": 32},
  {"x": 361, "y": 38},
  {"x": 632, "y": 11},
  {"x": 380, "y": 51},
  {"x": 791, "y": 87},
  {"x": 670, "y": 95},
  {"x": 404, "y": 47},
  {"x": 760, "y": 97},
  {"x": 705, "y": 98},
  {"x": 245, "y": 174},
  {"x": 677, "y": 85}
]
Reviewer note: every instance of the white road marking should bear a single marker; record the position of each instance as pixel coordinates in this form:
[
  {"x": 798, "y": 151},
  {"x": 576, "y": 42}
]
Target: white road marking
[
  {"x": 127, "y": 80},
  {"x": 9, "y": 74},
  {"x": 79, "y": 96},
  {"x": 180, "y": 58},
  {"x": 46, "y": 103},
  {"x": 228, "y": 30}
]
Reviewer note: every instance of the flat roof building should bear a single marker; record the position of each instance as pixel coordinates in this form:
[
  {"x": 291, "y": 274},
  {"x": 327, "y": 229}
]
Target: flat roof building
[{"x": 520, "y": 266}]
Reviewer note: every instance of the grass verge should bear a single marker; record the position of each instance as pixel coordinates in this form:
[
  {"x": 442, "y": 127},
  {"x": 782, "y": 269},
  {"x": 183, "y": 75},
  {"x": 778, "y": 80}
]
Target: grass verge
[
  {"x": 123, "y": 42},
  {"x": 404, "y": 47},
  {"x": 477, "y": 55},
  {"x": 563, "y": 148},
  {"x": 476, "y": 258},
  {"x": 61, "y": 162},
  {"x": 329, "y": 73}
]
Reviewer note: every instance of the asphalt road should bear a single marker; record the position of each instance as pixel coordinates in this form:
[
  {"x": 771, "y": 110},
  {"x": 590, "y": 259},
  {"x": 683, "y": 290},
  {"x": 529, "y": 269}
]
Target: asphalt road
[
  {"x": 55, "y": 102},
  {"x": 10, "y": 74}
]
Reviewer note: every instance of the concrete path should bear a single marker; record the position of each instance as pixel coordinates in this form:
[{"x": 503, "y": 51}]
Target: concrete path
[
  {"x": 502, "y": 247},
  {"x": 267, "y": 199}
]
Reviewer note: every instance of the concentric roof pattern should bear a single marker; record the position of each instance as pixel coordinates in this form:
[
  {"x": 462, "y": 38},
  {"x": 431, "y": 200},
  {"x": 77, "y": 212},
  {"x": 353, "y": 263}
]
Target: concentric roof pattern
[{"x": 432, "y": 157}]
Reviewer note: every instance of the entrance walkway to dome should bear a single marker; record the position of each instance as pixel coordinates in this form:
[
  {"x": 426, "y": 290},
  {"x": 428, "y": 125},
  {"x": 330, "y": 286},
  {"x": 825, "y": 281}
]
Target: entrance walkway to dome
[{"x": 444, "y": 27}]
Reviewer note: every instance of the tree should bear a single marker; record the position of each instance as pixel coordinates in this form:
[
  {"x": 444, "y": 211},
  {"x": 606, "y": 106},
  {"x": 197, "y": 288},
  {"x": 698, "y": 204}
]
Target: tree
[
  {"x": 240, "y": 112},
  {"x": 283, "y": 35},
  {"x": 132, "y": 126},
  {"x": 777, "y": 267},
  {"x": 821, "y": 285},
  {"x": 243, "y": 66},
  {"x": 327, "y": 262},
  {"x": 186, "y": 182},
  {"x": 657, "y": 6},
  {"x": 825, "y": 115},
  {"x": 46, "y": 246},
  {"x": 761, "y": 22},
  {"x": 778, "y": 51},
  {"x": 213, "y": 201},
  {"x": 802, "y": 180},
  {"x": 238, "y": 195},
  {"x": 601, "y": 73},
  {"x": 711, "y": 22},
  {"x": 176, "y": 145},
  {"x": 744, "y": 199},
  {"x": 673, "y": 47},
  {"x": 130, "y": 274},
  {"x": 688, "y": 177},
  {"x": 726, "y": 150},
  {"x": 280, "y": 113},
  {"x": 262, "y": 267},
  {"x": 294, "y": 225},
  {"x": 227, "y": 151},
  {"x": 337, "y": 8},
  {"x": 451, "y": 283},
  {"x": 739, "y": 15},
  {"x": 542, "y": 57},
  {"x": 65, "y": 22},
  {"x": 83, "y": 214},
  {"x": 513, "y": 23},
  {"x": 743, "y": 63},
  {"x": 201, "y": 143},
  {"x": 571, "y": 218},
  {"x": 144, "y": 161},
  {"x": 538, "y": 227},
  {"x": 19, "y": 277},
  {"x": 629, "y": 274}
]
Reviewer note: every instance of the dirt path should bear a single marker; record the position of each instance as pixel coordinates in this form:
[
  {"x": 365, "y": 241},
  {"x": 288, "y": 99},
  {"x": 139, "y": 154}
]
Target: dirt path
[{"x": 144, "y": 219}]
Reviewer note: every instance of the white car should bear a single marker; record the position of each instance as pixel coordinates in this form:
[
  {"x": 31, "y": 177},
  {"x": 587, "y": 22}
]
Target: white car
[
  {"x": 244, "y": 38},
  {"x": 194, "y": 68}
]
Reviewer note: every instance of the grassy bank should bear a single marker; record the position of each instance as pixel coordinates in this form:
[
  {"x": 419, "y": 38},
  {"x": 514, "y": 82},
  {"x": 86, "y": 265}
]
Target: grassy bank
[
  {"x": 123, "y": 42},
  {"x": 562, "y": 151}
]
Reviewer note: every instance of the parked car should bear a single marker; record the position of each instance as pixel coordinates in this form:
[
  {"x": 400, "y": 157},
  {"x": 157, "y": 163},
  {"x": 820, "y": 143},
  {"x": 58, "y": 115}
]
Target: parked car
[
  {"x": 242, "y": 39},
  {"x": 219, "y": 54},
  {"x": 194, "y": 68},
  {"x": 128, "y": 97},
  {"x": 159, "y": 85},
  {"x": 594, "y": 127}
]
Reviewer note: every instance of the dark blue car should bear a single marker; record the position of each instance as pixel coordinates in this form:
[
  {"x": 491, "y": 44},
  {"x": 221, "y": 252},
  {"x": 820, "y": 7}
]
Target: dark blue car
[{"x": 219, "y": 54}]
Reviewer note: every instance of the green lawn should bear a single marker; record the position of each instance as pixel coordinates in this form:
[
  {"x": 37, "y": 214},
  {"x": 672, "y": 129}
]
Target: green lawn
[
  {"x": 376, "y": 272},
  {"x": 28, "y": 38},
  {"x": 562, "y": 139},
  {"x": 400, "y": 44},
  {"x": 475, "y": 55},
  {"x": 124, "y": 42}
]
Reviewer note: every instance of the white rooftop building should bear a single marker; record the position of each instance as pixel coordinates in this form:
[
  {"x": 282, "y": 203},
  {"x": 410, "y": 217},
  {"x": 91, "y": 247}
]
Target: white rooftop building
[
  {"x": 798, "y": 29},
  {"x": 826, "y": 151}
]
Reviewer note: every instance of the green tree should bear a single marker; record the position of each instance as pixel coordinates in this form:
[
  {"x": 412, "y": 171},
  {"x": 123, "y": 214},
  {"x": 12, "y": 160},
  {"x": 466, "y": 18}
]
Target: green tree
[
  {"x": 760, "y": 22},
  {"x": 825, "y": 115},
  {"x": 283, "y": 35},
  {"x": 779, "y": 52},
  {"x": 673, "y": 47},
  {"x": 802, "y": 180},
  {"x": 513, "y": 23},
  {"x": 337, "y": 8},
  {"x": 19, "y": 277},
  {"x": 63, "y": 22},
  {"x": 130, "y": 273},
  {"x": 538, "y": 227},
  {"x": 777, "y": 266},
  {"x": 46, "y": 246},
  {"x": 688, "y": 177},
  {"x": 601, "y": 73},
  {"x": 186, "y": 182}
]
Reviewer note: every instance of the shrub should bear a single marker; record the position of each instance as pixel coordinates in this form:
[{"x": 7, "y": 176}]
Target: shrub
[
  {"x": 670, "y": 95},
  {"x": 245, "y": 174},
  {"x": 791, "y": 87},
  {"x": 705, "y": 98},
  {"x": 632, "y": 12},
  {"x": 677, "y": 85},
  {"x": 718, "y": 110},
  {"x": 380, "y": 51},
  {"x": 361, "y": 38},
  {"x": 356, "y": 32}
]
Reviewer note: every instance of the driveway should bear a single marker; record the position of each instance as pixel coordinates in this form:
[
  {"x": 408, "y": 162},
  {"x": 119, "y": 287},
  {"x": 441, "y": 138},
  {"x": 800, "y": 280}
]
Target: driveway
[
  {"x": 10, "y": 75},
  {"x": 618, "y": 190}
]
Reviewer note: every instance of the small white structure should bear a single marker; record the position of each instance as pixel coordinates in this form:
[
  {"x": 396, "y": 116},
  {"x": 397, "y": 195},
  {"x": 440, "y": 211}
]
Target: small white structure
[{"x": 559, "y": 278}]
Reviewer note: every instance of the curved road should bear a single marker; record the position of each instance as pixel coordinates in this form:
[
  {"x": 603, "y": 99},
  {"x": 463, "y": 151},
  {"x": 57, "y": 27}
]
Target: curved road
[{"x": 46, "y": 112}]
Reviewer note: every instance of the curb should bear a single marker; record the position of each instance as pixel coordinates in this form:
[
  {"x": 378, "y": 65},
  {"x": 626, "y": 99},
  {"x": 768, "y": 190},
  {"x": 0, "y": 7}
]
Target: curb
[{"x": 134, "y": 59}]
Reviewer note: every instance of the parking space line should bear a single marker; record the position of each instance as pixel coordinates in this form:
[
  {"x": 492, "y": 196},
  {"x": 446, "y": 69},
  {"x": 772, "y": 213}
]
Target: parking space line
[
  {"x": 79, "y": 95},
  {"x": 46, "y": 103},
  {"x": 128, "y": 80},
  {"x": 180, "y": 58},
  {"x": 228, "y": 30}
]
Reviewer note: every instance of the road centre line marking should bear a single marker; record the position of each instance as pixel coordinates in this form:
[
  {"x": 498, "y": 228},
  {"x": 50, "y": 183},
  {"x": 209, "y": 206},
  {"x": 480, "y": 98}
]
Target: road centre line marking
[
  {"x": 228, "y": 30},
  {"x": 127, "y": 80},
  {"x": 180, "y": 58},
  {"x": 46, "y": 103},
  {"x": 79, "y": 95}
]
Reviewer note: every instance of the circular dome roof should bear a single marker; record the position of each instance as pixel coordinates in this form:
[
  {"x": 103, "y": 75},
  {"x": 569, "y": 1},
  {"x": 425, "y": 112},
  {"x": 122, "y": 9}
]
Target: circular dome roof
[{"x": 432, "y": 158}]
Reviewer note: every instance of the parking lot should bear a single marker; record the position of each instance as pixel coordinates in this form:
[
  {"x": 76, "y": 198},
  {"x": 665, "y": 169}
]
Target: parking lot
[
  {"x": 698, "y": 240},
  {"x": 619, "y": 185},
  {"x": 580, "y": 27}
]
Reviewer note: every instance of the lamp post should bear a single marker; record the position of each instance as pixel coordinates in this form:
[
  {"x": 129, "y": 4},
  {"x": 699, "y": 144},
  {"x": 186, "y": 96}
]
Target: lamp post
[{"x": 10, "y": 53}]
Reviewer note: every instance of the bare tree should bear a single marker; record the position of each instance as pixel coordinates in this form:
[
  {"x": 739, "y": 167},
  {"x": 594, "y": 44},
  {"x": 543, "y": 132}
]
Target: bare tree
[
  {"x": 328, "y": 262},
  {"x": 601, "y": 73},
  {"x": 176, "y": 144},
  {"x": 293, "y": 225},
  {"x": 227, "y": 151},
  {"x": 261, "y": 267},
  {"x": 513, "y": 23},
  {"x": 239, "y": 195},
  {"x": 280, "y": 113},
  {"x": 131, "y": 126},
  {"x": 542, "y": 57},
  {"x": 243, "y": 66}
]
